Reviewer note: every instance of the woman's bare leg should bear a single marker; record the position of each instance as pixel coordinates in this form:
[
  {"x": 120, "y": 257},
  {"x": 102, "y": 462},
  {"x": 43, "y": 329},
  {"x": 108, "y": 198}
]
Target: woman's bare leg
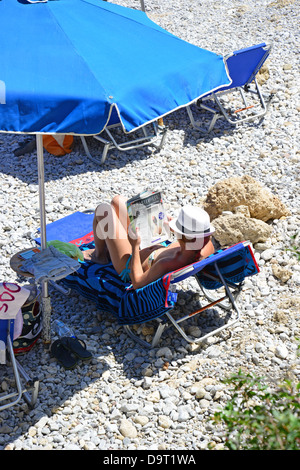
[
  {"x": 119, "y": 204},
  {"x": 99, "y": 254},
  {"x": 110, "y": 234},
  {"x": 111, "y": 229}
]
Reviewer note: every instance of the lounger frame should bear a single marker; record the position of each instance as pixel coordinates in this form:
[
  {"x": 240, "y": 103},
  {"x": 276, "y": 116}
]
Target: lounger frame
[
  {"x": 109, "y": 139},
  {"x": 226, "y": 300},
  {"x": 24, "y": 386}
]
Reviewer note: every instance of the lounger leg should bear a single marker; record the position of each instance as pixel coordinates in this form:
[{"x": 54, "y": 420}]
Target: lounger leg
[
  {"x": 136, "y": 337},
  {"x": 225, "y": 305},
  {"x": 31, "y": 385},
  {"x": 229, "y": 293},
  {"x": 230, "y": 297},
  {"x": 196, "y": 124},
  {"x": 18, "y": 395},
  {"x": 156, "y": 337},
  {"x": 191, "y": 339},
  {"x": 260, "y": 114},
  {"x": 158, "y": 334},
  {"x": 104, "y": 152},
  {"x": 163, "y": 138},
  {"x": 46, "y": 309},
  {"x": 146, "y": 140}
]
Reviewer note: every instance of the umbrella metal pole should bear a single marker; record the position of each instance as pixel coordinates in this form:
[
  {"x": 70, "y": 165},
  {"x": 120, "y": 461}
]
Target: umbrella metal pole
[{"x": 46, "y": 303}]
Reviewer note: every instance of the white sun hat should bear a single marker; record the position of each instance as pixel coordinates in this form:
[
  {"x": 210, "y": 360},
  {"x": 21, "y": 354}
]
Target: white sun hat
[{"x": 193, "y": 222}]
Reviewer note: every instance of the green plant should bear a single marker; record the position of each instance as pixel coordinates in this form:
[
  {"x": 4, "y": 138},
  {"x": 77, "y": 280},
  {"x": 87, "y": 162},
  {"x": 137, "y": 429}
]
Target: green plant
[
  {"x": 260, "y": 419},
  {"x": 295, "y": 249}
]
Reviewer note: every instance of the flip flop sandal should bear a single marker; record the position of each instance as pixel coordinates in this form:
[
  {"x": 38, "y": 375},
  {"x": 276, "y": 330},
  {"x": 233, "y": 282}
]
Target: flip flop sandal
[
  {"x": 63, "y": 355},
  {"x": 77, "y": 347},
  {"x": 28, "y": 146}
]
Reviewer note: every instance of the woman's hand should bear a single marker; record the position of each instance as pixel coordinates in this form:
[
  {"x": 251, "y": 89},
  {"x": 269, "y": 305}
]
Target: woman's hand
[
  {"x": 167, "y": 220},
  {"x": 133, "y": 236}
]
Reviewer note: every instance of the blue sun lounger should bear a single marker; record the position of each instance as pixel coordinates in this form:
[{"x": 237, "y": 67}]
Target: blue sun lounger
[
  {"x": 24, "y": 386},
  {"x": 243, "y": 66},
  {"x": 220, "y": 278}
]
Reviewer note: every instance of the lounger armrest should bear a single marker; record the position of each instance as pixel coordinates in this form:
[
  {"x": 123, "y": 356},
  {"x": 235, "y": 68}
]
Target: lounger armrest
[{"x": 182, "y": 272}]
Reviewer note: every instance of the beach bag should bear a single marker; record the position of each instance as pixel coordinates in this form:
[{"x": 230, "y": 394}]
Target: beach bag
[
  {"x": 58, "y": 145},
  {"x": 32, "y": 325}
]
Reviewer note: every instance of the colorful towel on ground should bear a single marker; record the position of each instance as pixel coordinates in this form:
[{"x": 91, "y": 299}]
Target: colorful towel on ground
[{"x": 75, "y": 228}]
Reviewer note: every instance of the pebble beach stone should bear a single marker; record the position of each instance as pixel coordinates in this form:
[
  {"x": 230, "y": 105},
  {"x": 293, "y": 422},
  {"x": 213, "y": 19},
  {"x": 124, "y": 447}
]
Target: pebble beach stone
[{"x": 129, "y": 397}]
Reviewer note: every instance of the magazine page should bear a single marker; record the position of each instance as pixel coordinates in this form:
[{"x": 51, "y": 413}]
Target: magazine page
[{"x": 146, "y": 212}]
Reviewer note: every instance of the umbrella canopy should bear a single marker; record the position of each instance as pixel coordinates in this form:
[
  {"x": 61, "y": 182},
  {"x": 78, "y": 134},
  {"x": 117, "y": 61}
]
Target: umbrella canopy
[{"x": 65, "y": 64}]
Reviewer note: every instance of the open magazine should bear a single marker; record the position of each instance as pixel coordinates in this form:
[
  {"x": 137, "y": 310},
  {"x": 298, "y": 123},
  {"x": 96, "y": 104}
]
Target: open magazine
[{"x": 146, "y": 212}]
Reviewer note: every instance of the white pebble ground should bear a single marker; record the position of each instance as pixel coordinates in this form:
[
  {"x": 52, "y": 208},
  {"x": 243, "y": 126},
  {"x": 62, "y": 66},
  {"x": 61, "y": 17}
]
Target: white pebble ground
[{"x": 127, "y": 398}]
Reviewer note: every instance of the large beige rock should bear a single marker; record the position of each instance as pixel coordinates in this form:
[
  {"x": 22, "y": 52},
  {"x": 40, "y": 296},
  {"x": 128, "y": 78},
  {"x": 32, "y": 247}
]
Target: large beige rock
[
  {"x": 237, "y": 191},
  {"x": 234, "y": 228}
]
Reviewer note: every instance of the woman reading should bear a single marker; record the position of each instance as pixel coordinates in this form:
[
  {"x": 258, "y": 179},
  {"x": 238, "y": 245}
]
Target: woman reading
[{"x": 116, "y": 241}]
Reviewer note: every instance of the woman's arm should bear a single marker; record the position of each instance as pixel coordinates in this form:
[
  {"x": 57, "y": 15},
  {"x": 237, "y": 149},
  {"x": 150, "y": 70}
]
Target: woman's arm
[{"x": 139, "y": 278}]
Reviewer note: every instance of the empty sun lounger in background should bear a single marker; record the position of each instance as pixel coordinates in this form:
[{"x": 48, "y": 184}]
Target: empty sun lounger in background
[
  {"x": 112, "y": 136},
  {"x": 244, "y": 99}
]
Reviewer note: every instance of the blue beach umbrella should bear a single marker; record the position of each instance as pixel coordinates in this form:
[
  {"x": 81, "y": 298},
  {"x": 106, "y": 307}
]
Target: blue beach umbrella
[{"x": 66, "y": 65}]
